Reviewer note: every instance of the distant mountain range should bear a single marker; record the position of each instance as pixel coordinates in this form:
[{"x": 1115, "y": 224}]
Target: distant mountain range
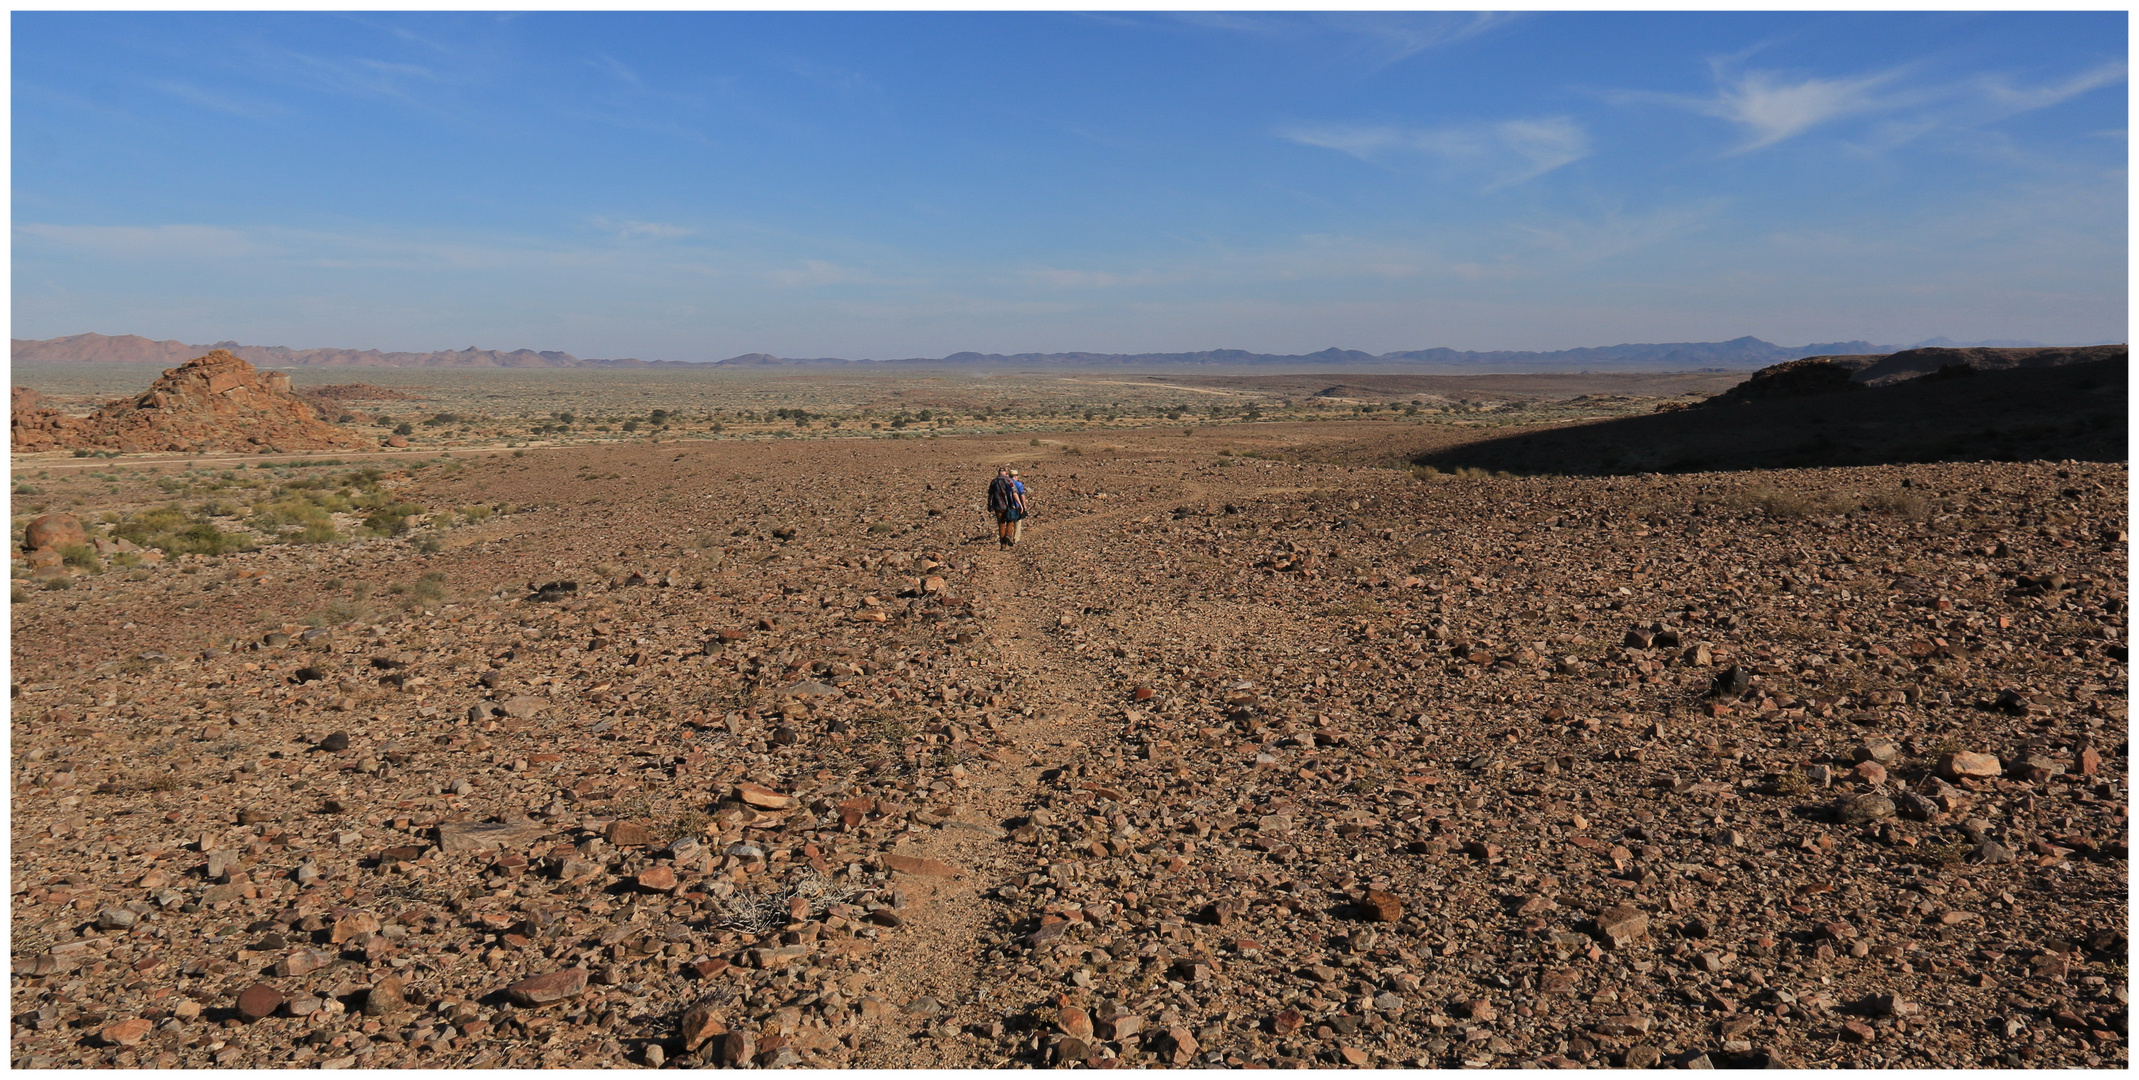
[
  {"x": 133, "y": 349},
  {"x": 1746, "y": 353}
]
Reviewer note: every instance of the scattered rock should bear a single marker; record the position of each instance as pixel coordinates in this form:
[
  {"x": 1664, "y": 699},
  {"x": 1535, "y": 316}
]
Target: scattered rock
[
  {"x": 1863, "y": 808},
  {"x": 628, "y": 834},
  {"x": 467, "y": 837},
  {"x": 763, "y": 797},
  {"x": 386, "y": 997},
  {"x": 259, "y": 1001},
  {"x": 1963, "y": 764},
  {"x": 544, "y": 989},
  {"x": 1382, "y": 907},
  {"x": 1623, "y": 925},
  {"x": 700, "y": 1024},
  {"x": 907, "y": 864},
  {"x": 126, "y": 1032}
]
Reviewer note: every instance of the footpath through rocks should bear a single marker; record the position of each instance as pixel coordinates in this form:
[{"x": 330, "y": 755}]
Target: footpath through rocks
[{"x": 768, "y": 755}]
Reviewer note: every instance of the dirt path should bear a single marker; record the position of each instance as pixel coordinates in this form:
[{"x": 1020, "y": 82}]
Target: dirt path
[
  {"x": 1059, "y": 719},
  {"x": 1056, "y": 721}
]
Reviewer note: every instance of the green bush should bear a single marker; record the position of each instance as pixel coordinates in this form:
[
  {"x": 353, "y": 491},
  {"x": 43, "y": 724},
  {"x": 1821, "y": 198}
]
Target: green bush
[
  {"x": 206, "y": 539},
  {"x": 392, "y": 518},
  {"x": 82, "y": 556},
  {"x": 426, "y": 593},
  {"x": 171, "y": 530}
]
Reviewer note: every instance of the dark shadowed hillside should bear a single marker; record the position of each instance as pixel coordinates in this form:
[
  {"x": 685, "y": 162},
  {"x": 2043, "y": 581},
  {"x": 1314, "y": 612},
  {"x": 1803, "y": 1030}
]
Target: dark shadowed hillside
[{"x": 2074, "y": 411}]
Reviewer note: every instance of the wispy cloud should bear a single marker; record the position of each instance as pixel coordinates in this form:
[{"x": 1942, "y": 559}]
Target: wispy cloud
[
  {"x": 816, "y": 272},
  {"x": 641, "y": 230},
  {"x": 1373, "y": 40},
  {"x": 830, "y": 76},
  {"x": 1507, "y": 151},
  {"x": 1390, "y": 38},
  {"x": 219, "y": 102},
  {"x": 2029, "y": 98},
  {"x": 359, "y": 76},
  {"x": 1058, "y": 278},
  {"x": 1773, "y": 106},
  {"x": 616, "y": 69},
  {"x": 1612, "y": 234},
  {"x": 149, "y": 241},
  {"x": 364, "y": 75}
]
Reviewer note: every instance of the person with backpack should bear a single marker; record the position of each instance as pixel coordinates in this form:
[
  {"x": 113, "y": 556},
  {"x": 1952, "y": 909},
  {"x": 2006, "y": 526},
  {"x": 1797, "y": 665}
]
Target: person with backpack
[
  {"x": 1024, "y": 505},
  {"x": 1003, "y": 503}
]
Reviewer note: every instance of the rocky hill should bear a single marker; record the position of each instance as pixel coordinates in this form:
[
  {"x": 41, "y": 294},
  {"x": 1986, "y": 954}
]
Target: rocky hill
[
  {"x": 1831, "y": 374},
  {"x": 1918, "y": 405},
  {"x": 216, "y": 402}
]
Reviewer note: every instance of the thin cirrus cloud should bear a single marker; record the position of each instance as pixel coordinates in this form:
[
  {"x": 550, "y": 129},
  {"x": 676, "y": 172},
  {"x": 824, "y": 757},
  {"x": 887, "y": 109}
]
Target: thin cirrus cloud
[
  {"x": 147, "y": 241},
  {"x": 817, "y": 272},
  {"x": 1376, "y": 39},
  {"x": 2027, "y": 99},
  {"x": 641, "y": 230},
  {"x": 1773, "y": 107},
  {"x": 1570, "y": 240},
  {"x": 1507, "y": 151},
  {"x": 1388, "y": 39},
  {"x": 218, "y": 102},
  {"x": 1059, "y": 278}
]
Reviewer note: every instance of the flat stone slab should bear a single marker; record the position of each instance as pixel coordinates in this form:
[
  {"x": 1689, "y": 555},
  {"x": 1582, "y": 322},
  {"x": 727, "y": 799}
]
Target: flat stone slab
[
  {"x": 907, "y": 864},
  {"x": 464, "y": 837},
  {"x": 543, "y": 989}
]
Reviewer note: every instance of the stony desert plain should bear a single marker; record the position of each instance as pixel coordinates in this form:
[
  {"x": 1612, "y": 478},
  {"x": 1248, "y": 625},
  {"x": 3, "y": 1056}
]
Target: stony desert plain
[{"x": 577, "y": 734}]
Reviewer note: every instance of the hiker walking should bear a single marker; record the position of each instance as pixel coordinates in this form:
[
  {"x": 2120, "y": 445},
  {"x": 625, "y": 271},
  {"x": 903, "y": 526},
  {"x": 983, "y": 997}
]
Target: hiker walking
[
  {"x": 1024, "y": 507},
  {"x": 1003, "y": 503}
]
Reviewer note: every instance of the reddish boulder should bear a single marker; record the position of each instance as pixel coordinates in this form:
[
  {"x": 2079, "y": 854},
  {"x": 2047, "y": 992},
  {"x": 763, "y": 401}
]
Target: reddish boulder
[{"x": 54, "y": 531}]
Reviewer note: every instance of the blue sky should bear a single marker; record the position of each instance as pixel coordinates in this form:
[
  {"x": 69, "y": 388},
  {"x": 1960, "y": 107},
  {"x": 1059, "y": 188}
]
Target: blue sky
[{"x": 694, "y": 186}]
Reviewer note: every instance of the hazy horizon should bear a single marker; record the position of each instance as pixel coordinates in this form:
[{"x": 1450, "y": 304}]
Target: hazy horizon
[
  {"x": 1937, "y": 341},
  {"x": 695, "y": 186}
]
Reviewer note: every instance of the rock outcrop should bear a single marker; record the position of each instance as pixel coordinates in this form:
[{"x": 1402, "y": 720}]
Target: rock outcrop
[
  {"x": 33, "y": 426},
  {"x": 1816, "y": 375},
  {"x": 216, "y": 402}
]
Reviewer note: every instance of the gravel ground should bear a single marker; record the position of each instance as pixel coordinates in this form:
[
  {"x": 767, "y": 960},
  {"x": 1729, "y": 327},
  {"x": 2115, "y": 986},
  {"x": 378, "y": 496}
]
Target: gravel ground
[{"x": 1229, "y": 762}]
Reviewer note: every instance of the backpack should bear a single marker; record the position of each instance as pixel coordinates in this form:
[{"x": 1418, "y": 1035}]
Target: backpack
[{"x": 998, "y": 494}]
